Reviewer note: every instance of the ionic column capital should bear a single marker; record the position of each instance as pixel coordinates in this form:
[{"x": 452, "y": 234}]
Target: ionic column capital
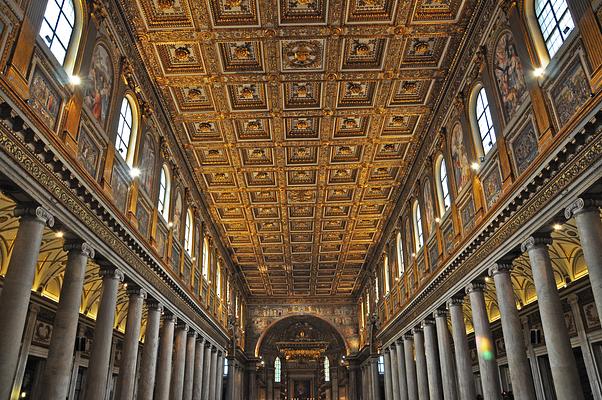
[
  {"x": 110, "y": 272},
  {"x": 500, "y": 268},
  {"x": 427, "y": 321},
  {"x": 192, "y": 333},
  {"x": 475, "y": 286},
  {"x": 440, "y": 314},
  {"x": 136, "y": 291},
  {"x": 31, "y": 211},
  {"x": 580, "y": 205},
  {"x": 169, "y": 318},
  {"x": 533, "y": 242},
  {"x": 387, "y": 350},
  {"x": 81, "y": 247},
  {"x": 182, "y": 326},
  {"x": 153, "y": 304},
  {"x": 416, "y": 330},
  {"x": 200, "y": 339},
  {"x": 455, "y": 302},
  {"x": 408, "y": 336}
]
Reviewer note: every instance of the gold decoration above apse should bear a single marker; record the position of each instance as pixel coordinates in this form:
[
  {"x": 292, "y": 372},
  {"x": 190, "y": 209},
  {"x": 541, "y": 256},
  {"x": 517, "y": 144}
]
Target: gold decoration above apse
[{"x": 300, "y": 119}]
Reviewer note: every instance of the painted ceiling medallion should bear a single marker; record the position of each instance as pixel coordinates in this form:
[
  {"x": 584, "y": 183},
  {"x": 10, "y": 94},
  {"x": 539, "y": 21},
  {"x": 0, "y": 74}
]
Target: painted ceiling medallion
[{"x": 302, "y": 54}]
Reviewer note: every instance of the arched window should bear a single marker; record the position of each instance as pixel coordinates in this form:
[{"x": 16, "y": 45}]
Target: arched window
[
  {"x": 218, "y": 280},
  {"x": 226, "y": 367},
  {"x": 205, "y": 265},
  {"x": 277, "y": 370},
  {"x": 164, "y": 193},
  {"x": 419, "y": 236},
  {"x": 363, "y": 311},
  {"x": 58, "y": 26},
  {"x": 126, "y": 130},
  {"x": 484, "y": 121},
  {"x": 400, "y": 262},
  {"x": 326, "y": 369},
  {"x": 381, "y": 365},
  {"x": 443, "y": 186},
  {"x": 377, "y": 287},
  {"x": 188, "y": 233},
  {"x": 555, "y": 23},
  {"x": 386, "y": 272}
]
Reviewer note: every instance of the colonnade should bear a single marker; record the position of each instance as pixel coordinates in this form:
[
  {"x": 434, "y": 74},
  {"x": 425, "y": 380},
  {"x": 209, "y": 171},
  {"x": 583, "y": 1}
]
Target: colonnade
[
  {"x": 440, "y": 370},
  {"x": 176, "y": 362}
]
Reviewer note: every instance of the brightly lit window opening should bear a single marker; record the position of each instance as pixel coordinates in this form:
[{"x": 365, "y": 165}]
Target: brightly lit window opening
[
  {"x": 57, "y": 27},
  {"x": 277, "y": 370},
  {"x": 418, "y": 226},
  {"x": 484, "y": 122},
  {"x": 124, "y": 129},
  {"x": 381, "y": 365},
  {"x": 226, "y": 367},
  {"x": 188, "y": 232},
  {"x": 555, "y": 22},
  {"x": 444, "y": 181},
  {"x": 205, "y": 266},
  {"x": 387, "y": 276},
  {"x": 163, "y": 202},
  {"x": 326, "y": 369}
]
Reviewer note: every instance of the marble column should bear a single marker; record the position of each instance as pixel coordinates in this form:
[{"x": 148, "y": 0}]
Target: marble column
[
  {"x": 199, "y": 356},
  {"x": 514, "y": 339},
  {"x": 231, "y": 379},
  {"x": 176, "y": 389},
  {"x": 213, "y": 370},
  {"x": 388, "y": 374},
  {"x": 401, "y": 370},
  {"x": 334, "y": 378},
  {"x": 432, "y": 359},
  {"x": 558, "y": 343},
  {"x": 589, "y": 226},
  {"x": 466, "y": 387},
  {"x": 189, "y": 368},
  {"x": 353, "y": 392},
  {"x": 100, "y": 355},
  {"x": 373, "y": 371},
  {"x": 270, "y": 385},
  {"x": 59, "y": 363},
  {"x": 148, "y": 363},
  {"x": 408, "y": 352},
  {"x": 220, "y": 375},
  {"x": 421, "y": 369},
  {"x": 165, "y": 358},
  {"x": 16, "y": 290},
  {"x": 394, "y": 372},
  {"x": 127, "y": 369},
  {"x": 252, "y": 371},
  {"x": 490, "y": 376},
  {"x": 446, "y": 355},
  {"x": 206, "y": 371}
]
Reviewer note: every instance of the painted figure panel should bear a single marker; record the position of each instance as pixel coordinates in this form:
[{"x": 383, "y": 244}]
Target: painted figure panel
[
  {"x": 459, "y": 158},
  {"x": 570, "y": 92},
  {"x": 177, "y": 216},
  {"x": 44, "y": 99},
  {"x": 88, "y": 152},
  {"x": 429, "y": 210},
  {"x": 147, "y": 163},
  {"x": 97, "y": 92},
  {"x": 509, "y": 75},
  {"x": 467, "y": 214},
  {"x": 492, "y": 186},
  {"x": 119, "y": 184},
  {"x": 524, "y": 148}
]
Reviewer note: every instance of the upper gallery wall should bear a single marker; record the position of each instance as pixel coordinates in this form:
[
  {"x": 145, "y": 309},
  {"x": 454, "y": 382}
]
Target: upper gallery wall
[{"x": 300, "y": 120}]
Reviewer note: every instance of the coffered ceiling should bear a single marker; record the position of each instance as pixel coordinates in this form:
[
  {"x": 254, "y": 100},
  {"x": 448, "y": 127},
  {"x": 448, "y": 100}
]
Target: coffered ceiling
[{"x": 300, "y": 119}]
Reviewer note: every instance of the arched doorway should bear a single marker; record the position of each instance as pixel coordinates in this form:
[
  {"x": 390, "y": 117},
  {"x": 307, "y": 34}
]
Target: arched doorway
[{"x": 303, "y": 358}]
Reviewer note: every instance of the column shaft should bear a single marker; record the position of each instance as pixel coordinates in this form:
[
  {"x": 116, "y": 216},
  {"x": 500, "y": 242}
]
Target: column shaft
[
  {"x": 165, "y": 358},
  {"x": 432, "y": 360},
  {"x": 374, "y": 378},
  {"x": 490, "y": 378},
  {"x": 16, "y": 291},
  {"x": 514, "y": 340},
  {"x": 394, "y": 372},
  {"x": 231, "y": 378},
  {"x": 219, "y": 375},
  {"x": 388, "y": 374},
  {"x": 466, "y": 388},
  {"x": 212, "y": 378},
  {"x": 100, "y": 355},
  {"x": 411, "y": 380},
  {"x": 189, "y": 368},
  {"x": 448, "y": 377},
  {"x": 558, "y": 343},
  {"x": 60, "y": 354},
  {"x": 421, "y": 369},
  {"x": 127, "y": 369},
  {"x": 206, "y": 371},
  {"x": 199, "y": 355},
  {"x": 401, "y": 370},
  {"x": 179, "y": 363},
  {"x": 148, "y": 363}
]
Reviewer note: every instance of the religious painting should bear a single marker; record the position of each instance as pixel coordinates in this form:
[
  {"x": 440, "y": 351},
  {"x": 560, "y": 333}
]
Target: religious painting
[
  {"x": 433, "y": 254},
  {"x": 421, "y": 265},
  {"x": 592, "y": 319},
  {"x": 177, "y": 216},
  {"x": 448, "y": 236},
  {"x": 187, "y": 270},
  {"x": 302, "y": 389},
  {"x": 459, "y": 157},
  {"x": 524, "y": 148},
  {"x": 161, "y": 239},
  {"x": 509, "y": 75},
  {"x": 143, "y": 218},
  {"x": 175, "y": 257},
  {"x": 492, "y": 186},
  {"x": 408, "y": 239},
  {"x": 88, "y": 152},
  {"x": 429, "y": 210},
  {"x": 467, "y": 214},
  {"x": 147, "y": 163},
  {"x": 97, "y": 91},
  {"x": 120, "y": 186},
  {"x": 570, "y": 91},
  {"x": 45, "y": 99}
]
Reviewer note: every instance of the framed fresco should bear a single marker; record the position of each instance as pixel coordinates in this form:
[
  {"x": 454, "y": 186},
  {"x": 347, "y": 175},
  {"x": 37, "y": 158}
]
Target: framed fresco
[
  {"x": 467, "y": 213},
  {"x": 175, "y": 257},
  {"x": 492, "y": 184},
  {"x": 161, "y": 239},
  {"x": 433, "y": 253},
  {"x": 44, "y": 98},
  {"x": 143, "y": 217},
  {"x": 302, "y": 389},
  {"x": 448, "y": 234},
  {"x": 177, "y": 217},
  {"x": 459, "y": 158},
  {"x": 570, "y": 91},
  {"x": 524, "y": 147},
  {"x": 147, "y": 163},
  {"x": 120, "y": 186},
  {"x": 98, "y": 85},
  {"x": 429, "y": 209},
  {"x": 89, "y": 151},
  {"x": 509, "y": 75}
]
